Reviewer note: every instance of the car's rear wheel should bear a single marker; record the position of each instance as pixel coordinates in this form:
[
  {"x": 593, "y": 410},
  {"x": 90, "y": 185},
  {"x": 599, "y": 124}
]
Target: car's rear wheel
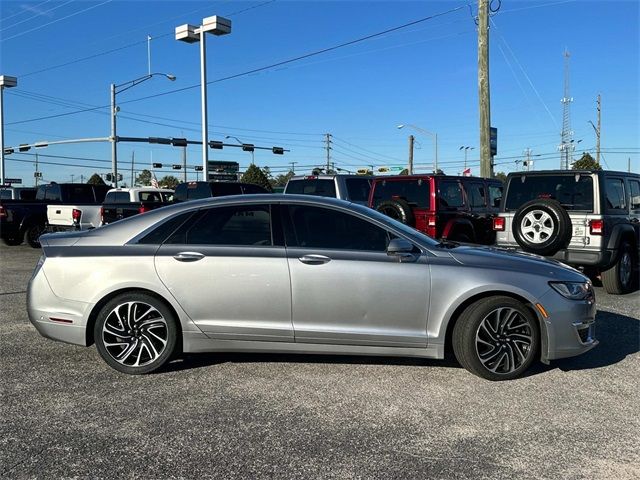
[
  {"x": 496, "y": 338},
  {"x": 135, "y": 333},
  {"x": 32, "y": 234},
  {"x": 619, "y": 279}
]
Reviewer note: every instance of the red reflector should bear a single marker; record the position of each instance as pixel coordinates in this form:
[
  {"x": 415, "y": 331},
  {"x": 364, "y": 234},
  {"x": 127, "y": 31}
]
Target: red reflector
[
  {"x": 76, "y": 214},
  {"x": 431, "y": 220},
  {"x": 596, "y": 227},
  {"x": 101, "y": 214},
  {"x": 310, "y": 177},
  {"x": 60, "y": 320},
  {"x": 3, "y": 213},
  {"x": 498, "y": 224},
  {"x": 142, "y": 209}
]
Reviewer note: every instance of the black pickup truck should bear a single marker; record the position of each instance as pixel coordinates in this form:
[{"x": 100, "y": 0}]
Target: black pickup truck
[
  {"x": 125, "y": 202},
  {"x": 195, "y": 190},
  {"x": 25, "y": 220}
]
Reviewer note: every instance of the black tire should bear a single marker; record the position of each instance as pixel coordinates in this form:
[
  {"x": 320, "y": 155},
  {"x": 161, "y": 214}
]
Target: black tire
[
  {"x": 620, "y": 278},
  {"x": 398, "y": 210},
  {"x": 32, "y": 234},
  {"x": 488, "y": 344},
  {"x": 137, "y": 347},
  {"x": 542, "y": 226}
]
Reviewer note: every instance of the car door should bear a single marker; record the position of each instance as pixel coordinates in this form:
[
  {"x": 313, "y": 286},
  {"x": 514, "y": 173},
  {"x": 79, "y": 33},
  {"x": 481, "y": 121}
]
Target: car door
[
  {"x": 227, "y": 268},
  {"x": 345, "y": 288}
]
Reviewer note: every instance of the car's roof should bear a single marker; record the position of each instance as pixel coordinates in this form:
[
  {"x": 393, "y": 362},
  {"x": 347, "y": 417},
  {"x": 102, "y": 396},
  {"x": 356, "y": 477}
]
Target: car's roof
[
  {"x": 324, "y": 176},
  {"x": 571, "y": 172},
  {"x": 428, "y": 175}
]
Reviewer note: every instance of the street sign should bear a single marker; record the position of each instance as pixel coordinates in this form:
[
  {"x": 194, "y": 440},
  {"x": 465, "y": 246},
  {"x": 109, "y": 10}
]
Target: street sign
[
  {"x": 493, "y": 141},
  {"x": 224, "y": 167},
  {"x": 12, "y": 180},
  {"x": 223, "y": 177}
]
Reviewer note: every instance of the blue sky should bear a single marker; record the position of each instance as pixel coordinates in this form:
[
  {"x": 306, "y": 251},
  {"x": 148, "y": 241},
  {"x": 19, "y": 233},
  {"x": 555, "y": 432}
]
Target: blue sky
[{"x": 425, "y": 75}]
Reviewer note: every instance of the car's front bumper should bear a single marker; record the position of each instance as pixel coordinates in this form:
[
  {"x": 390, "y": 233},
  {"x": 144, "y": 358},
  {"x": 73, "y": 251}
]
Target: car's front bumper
[
  {"x": 53, "y": 317},
  {"x": 570, "y": 326}
]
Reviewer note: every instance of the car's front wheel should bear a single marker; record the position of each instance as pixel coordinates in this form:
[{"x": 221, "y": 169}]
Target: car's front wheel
[
  {"x": 135, "y": 333},
  {"x": 496, "y": 338}
]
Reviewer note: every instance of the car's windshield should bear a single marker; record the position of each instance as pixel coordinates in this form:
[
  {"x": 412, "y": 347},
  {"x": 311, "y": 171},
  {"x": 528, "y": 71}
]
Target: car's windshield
[
  {"x": 573, "y": 191},
  {"x": 415, "y": 191}
]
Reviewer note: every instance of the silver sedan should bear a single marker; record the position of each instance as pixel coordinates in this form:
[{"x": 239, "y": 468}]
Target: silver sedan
[{"x": 287, "y": 273}]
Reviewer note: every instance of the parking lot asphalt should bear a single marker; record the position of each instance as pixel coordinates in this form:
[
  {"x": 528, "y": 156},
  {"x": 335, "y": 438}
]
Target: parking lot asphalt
[{"x": 65, "y": 413}]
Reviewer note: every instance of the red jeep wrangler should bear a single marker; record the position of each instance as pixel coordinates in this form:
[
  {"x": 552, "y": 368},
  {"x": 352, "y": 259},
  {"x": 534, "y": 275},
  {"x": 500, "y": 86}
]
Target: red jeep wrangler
[{"x": 451, "y": 208}]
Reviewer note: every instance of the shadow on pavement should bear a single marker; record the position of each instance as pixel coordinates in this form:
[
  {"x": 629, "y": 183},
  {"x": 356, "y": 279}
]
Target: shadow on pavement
[{"x": 619, "y": 337}]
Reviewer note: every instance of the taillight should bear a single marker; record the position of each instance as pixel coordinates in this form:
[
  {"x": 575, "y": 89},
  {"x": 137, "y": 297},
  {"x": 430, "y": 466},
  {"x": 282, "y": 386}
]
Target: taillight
[
  {"x": 498, "y": 224},
  {"x": 432, "y": 221},
  {"x": 142, "y": 209},
  {"x": 102, "y": 215},
  {"x": 3, "y": 212},
  {"x": 596, "y": 227},
  {"x": 75, "y": 215}
]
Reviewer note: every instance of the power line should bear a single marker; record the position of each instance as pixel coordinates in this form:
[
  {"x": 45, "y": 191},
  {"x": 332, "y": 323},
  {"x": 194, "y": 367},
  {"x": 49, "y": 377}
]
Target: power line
[
  {"x": 35, "y": 15},
  {"x": 24, "y": 10}
]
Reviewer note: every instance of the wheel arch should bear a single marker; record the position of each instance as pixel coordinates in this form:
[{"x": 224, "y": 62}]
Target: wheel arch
[
  {"x": 459, "y": 225},
  {"x": 620, "y": 233},
  {"x": 455, "y": 315},
  {"x": 111, "y": 295}
]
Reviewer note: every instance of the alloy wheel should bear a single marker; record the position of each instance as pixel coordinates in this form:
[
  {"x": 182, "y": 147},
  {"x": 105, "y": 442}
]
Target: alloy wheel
[
  {"x": 537, "y": 226},
  {"x": 625, "y": 268},
  {"x": 135, "y": 334},
  {"x": 504, "y": 340}
]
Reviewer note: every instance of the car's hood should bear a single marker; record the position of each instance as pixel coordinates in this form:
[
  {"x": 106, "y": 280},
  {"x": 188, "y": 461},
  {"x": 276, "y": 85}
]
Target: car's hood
[{"x": 500, "y": 258}]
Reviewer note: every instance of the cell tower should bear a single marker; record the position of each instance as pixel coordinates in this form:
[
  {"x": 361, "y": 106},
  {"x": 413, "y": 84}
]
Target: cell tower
[{"x": 566, "y": 146}]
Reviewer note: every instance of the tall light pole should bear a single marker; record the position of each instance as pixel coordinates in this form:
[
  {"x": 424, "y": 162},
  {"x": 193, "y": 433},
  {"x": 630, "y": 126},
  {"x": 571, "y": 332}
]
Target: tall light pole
[
  {"x": 5, "y": 82},
  {"x": 190, "y": 34},
  {"x": 115, "y": 89},
  {"x": 466, "y": 149},
  {"x": 432, "y": 135}
]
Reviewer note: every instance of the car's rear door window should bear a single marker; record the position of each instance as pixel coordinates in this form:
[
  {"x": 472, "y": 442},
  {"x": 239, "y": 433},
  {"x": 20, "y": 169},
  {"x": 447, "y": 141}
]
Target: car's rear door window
[
  {"x": 150, "y": 197},
  {"x": 312, "y": 186},
  {"x": 242, "y": 225},
  {"x": 325, "y": 228},
  {"x": 615, "y": 197},
  {"x": 634, "y": 190},
  {"x": 415, "y": 191},
  {"x": 450, "y": 195},
  {"x": 475, "y": 194},
  {"x": 495, "y": 195},
  {"x": 573, "y": 191},
  {"x": 358, "y": 189}
]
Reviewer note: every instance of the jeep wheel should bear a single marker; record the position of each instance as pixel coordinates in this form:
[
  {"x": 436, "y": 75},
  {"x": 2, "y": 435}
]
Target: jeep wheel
[
  {"x": 542, "y": 226},
  {"x": 619, "y": 278},
  {"x": 398, "y": 210}
]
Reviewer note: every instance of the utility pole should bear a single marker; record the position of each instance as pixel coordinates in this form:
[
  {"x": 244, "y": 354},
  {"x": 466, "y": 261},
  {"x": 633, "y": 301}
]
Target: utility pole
[
  {"x": 410, "y": 165},
  {"x": 598, "y": 134},
  {"x": 81, "y": 178},
  {"x": 486, "y": 164},
  {"x": 566, "y": 145},
  {"x": 184, "y": 163},
  {"x": 328, "y": 146},
  {"x": 72, "y": 176},
  {"x": 133, "y": 156},
  {"x": 293, "y": 167},
  {"x": 527, "y": 152}
]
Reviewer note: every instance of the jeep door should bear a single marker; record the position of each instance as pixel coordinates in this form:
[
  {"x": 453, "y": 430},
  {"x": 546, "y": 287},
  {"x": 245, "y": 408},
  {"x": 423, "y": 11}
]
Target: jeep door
[{"x": 345, "y": 288}]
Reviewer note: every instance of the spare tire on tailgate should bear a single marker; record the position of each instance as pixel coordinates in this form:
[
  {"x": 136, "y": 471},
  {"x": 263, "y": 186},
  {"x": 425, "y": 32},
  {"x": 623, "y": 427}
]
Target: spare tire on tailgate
[
  {"x": 398, "y": 209},
  {"x": 542, "y": 226}
]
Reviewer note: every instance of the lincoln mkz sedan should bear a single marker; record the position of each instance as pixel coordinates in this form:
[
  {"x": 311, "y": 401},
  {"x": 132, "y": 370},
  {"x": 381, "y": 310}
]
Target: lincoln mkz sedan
[{"x": 288, "y": 273}]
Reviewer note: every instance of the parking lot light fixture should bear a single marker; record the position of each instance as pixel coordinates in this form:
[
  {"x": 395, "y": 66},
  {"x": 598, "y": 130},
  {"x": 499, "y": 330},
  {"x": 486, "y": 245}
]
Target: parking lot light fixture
[
  {"x": 115, "y": 89},
  {"x": 187, "y": 33},
  {"x": 5, "y": 82}
]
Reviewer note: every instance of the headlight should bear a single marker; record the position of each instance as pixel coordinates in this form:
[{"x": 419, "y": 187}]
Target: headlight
[{"x": 573, "y": 290}]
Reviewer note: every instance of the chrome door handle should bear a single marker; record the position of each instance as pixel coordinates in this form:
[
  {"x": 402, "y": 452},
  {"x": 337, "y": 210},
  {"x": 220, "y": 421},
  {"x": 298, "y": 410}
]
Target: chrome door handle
[
  {"x": 188, "y": 256},
  {"x": 314, "y": 259}
]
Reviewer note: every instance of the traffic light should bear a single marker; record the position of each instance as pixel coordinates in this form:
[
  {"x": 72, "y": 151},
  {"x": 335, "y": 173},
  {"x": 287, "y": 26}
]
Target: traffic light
[
  {"x": 248, "y": 147},
  {"x": 108, "y": 177},
  {"x": 278, "y": 150},
  {"x": 156, "y": 165},
  {"x": 198, "y": 168},
  {"x": 179, "y": 142},
  {"x": 24, "y": 147},
  {"x": 176, "y": 167},
  {"x": 216, "y": 145}
]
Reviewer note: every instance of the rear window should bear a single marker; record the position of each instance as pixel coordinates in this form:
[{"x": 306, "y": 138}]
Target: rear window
[
  {"x": 117, "y": 197},
  {"x": 79, "y": 193},
  {"x": 191, "y": 191},
  {"x": 150, "y": 197},
  {"x": 249, "y": 188},
  {"x": 574, "y": 191},
  {"x": 223, "y": 189},
  {"x": 415, "y": 191},
  {"x": 358, "y": 189},
  {"x": 312, "y": 186}
]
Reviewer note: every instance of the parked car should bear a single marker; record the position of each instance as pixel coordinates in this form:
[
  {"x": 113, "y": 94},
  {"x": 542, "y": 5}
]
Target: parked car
[
  {"x": 17, "y": 193},
  {"x": 25, "y": 220},
  {"x": 296, "y": 273},
  {"x": 586, "y": 218},
  {"x": 352, "y": 188},
  {"x": 452, "y": 208},
  {"x": 197, "y": 190},
  {"x": 125, "y": 202}
]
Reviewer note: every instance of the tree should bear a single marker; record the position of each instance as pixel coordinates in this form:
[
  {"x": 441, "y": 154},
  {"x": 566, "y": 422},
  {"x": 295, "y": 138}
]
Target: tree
[
  {"x": 168, "y": 181},
  {"x": 500, "y": 176},
  {"x": 95, "y": 179},
  {"x": 144, "y": 178},
  {"x": 281, "y": 180},
  {"x": 256, "y": 176},
  {"x": 404, "y": 172},
  {"x": 587, "y": 162}
]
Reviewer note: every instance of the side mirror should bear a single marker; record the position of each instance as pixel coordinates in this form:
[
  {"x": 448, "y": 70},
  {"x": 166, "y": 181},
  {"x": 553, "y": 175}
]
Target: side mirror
[{"x": 399, "y": 247}]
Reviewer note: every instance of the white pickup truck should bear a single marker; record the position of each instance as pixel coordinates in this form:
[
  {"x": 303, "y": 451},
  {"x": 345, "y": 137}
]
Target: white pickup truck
[{"x": 62, "y": 218}]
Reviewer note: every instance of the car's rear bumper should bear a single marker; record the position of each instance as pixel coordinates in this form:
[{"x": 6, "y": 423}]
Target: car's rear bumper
[
  {"x": 61, "y": 228},
  {"x": 602, "y": 259}
]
